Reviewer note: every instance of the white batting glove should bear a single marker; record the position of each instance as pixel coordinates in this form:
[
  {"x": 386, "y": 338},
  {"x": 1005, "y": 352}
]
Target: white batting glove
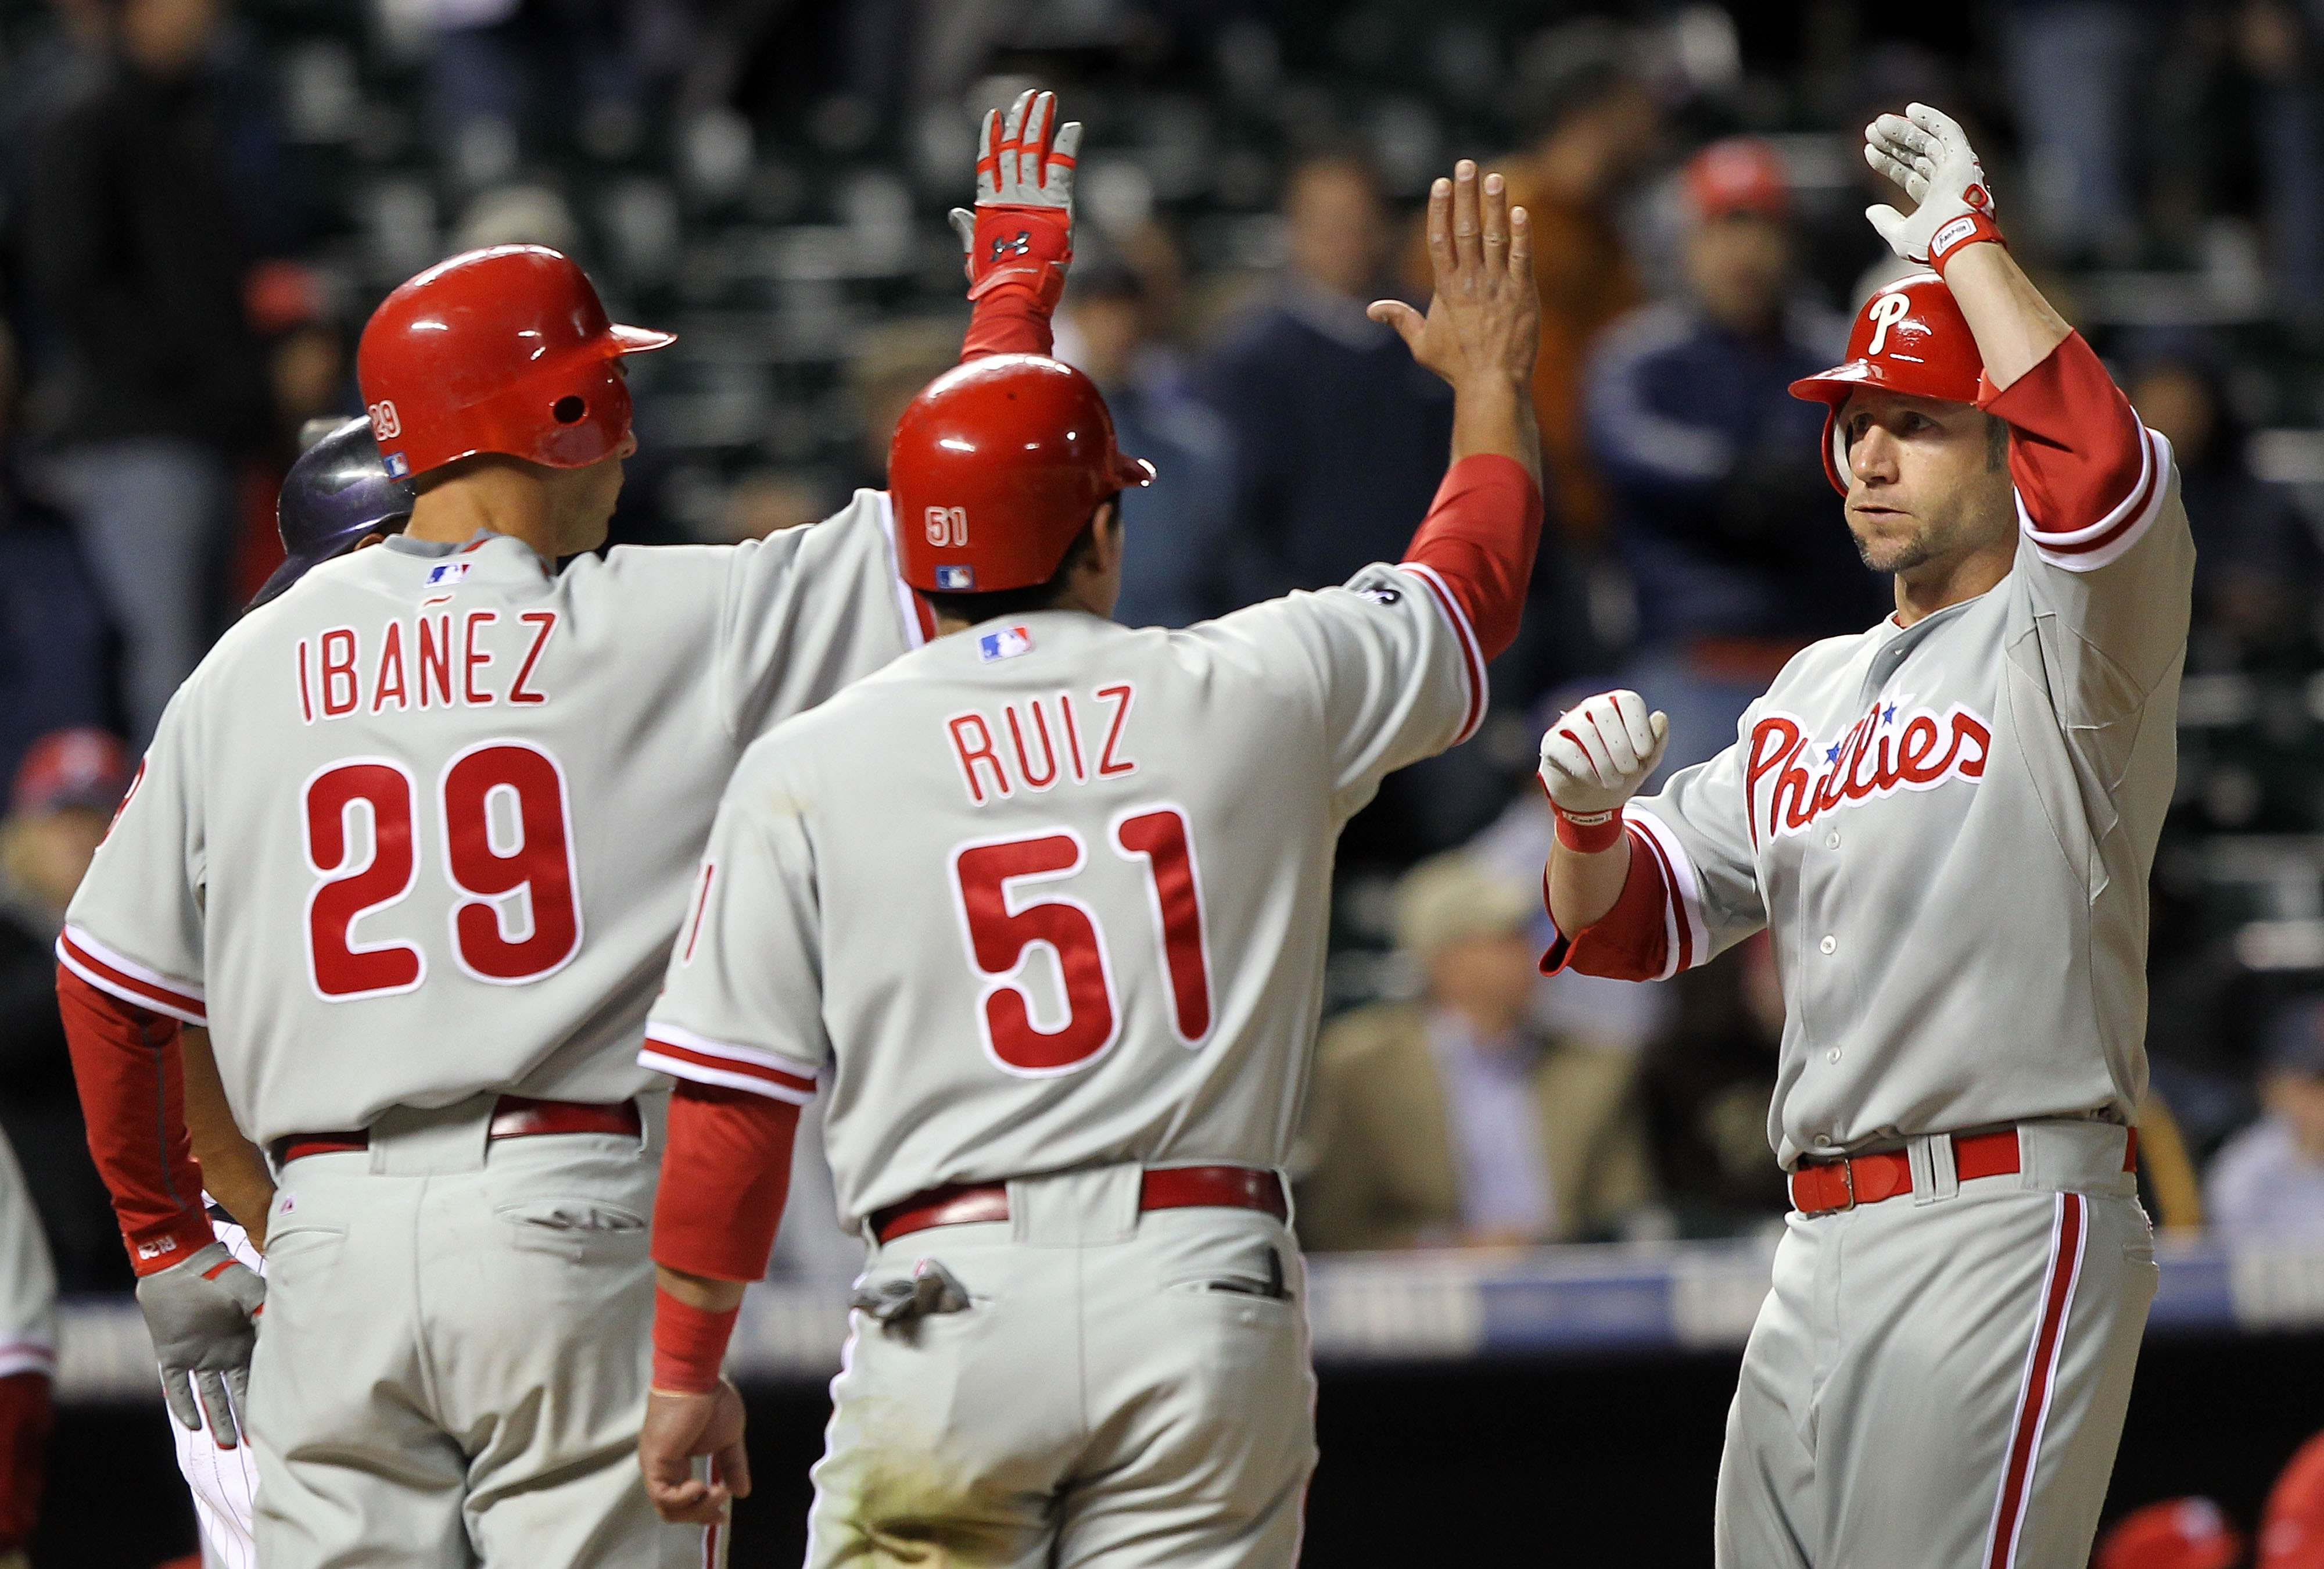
[
  {"x": 1023, "y": 230},
  {"x": 1598, "y": 755},
  {"x": 1925, "y": 151}
]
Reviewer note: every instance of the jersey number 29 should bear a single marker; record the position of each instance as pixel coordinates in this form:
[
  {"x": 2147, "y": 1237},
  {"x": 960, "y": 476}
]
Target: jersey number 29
[
  {"x": 507, "y": 849},
  {"x": 1001, "y": 928}
]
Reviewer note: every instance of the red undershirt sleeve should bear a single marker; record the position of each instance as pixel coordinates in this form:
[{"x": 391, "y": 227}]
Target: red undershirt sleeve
[
  {"x": 1631, "y": 941},
  {"x": 1479, "y": 540},
  {"x": 1010, "y": 319},
  {"x": 724, "y": 1175},
  {"x": 133, "y": 1097},
  {"x": 2079, "y": 458}
]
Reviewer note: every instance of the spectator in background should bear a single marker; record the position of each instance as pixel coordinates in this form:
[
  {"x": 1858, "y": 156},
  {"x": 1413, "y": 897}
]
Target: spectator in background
[
  {"x": 64, "y": 797},
  {"x": 2267, "y": 1182},
  {"x": 55, "y": 649},
  {"x": 2073, "y": 69},
  {"x": 1180, "y": 526},
  {"x": 2258, "y": 572},
  {"x": 1721, "y": 511},
  {"x": 138, "y": 252},
  {"x": 1454, "y": 1121},
  {"x": 892, "y": 362},
  {"x": 27, "y": 1339},
  {"x": 1593, "y": 125},
  {"x": 1709, "y": 1077},
  {"x": 1339, "y": 438}
]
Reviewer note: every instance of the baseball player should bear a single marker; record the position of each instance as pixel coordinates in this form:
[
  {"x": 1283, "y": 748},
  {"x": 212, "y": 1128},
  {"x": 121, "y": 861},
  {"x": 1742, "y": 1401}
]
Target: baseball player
[
  {"x": 28, "y": 1346},
  {"x": 338, "y": 497},
  {"x": 1945, "y": 824},
  {"x": 414, "y": 842},
  {"x": 1043, "y": 904}
]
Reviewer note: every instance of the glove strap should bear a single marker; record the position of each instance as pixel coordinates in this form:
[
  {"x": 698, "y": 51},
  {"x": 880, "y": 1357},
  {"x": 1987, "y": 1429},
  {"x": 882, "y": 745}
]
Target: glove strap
[
  {"x": 689, "y": 1343},
  {"x": 1972, "y": 228},
  {"x": 166, "y": 1246},
  {"x": 1588, "y": 833}
]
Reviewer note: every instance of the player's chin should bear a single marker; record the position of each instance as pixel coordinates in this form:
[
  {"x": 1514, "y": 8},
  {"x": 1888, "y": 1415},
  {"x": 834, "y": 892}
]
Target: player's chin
[{"x": 1888, "y": 541}]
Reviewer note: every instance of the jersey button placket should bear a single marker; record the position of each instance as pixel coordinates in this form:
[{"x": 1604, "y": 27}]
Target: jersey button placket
[{"x": 1829, "y": 945}]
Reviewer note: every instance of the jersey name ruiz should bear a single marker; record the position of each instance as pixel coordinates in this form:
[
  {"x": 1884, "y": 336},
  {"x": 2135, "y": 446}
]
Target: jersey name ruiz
[{"x": 1790, "y": 779}]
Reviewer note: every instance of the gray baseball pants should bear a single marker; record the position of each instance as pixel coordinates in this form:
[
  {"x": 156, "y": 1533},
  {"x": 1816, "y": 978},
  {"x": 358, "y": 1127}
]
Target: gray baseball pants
[
  {"x": 452, "y": 1367},
  {"x": 1939, "y": 1379},
  {"x": 1119, "y": 1388}
]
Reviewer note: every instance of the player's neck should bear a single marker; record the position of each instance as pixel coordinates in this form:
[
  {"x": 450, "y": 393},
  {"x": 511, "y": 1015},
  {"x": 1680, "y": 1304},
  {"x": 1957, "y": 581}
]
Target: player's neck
[
  {"x": 488, "y": 500},
  {"x": 1934, "y": 586}
]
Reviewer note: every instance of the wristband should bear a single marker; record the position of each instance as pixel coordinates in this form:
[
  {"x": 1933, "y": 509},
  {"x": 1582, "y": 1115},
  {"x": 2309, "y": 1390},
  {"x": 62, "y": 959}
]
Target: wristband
[
  {"x": 1970, "y": 228},
  {"x": 1588, "y": 833},
  {"x": 169, "y": 1244},
  {"x": 689, "y": 1344}
]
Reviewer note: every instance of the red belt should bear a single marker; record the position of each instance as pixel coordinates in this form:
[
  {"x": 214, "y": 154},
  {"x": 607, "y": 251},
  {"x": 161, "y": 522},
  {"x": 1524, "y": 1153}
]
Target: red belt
[
  {"x": 1165, "y": 1187},
  {"x": 1830, "y": 1186},
  {"x": 513, "y": 1117}
]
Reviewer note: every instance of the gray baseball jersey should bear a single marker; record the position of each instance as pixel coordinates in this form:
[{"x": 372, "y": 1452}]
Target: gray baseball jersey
[
  {"x": 423, "y": 828},
  {"x": 1948, "y": 828},
  {"x": 1061, "y": 888},
  {"x": 28, "y": 1280}
]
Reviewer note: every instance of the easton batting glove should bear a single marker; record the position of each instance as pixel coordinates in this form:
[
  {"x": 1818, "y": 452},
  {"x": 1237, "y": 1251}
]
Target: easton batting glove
[
  {"x": 1594, "y": 759},
  {"x": 1023, "y": 230},
  {"x": 1926, "y": 152},
  {"x": 203, "y": 1316}
]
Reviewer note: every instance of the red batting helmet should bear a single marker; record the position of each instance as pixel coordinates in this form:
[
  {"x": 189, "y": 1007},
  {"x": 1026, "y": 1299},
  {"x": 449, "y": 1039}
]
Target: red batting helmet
[
  {"x": 1909, "y": 337},
  {"x": 2188, "y": 1533},
  {"x": 2291, "y": 1531},
  {"x": 506, "y": 350},
  {"x": 996, "y": 467}
]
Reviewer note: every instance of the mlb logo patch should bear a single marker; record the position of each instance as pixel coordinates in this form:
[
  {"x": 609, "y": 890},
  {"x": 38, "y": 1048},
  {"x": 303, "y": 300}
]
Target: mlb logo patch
[
  {"x": 956, "y": 579},
  {"x": 398, "y": 465},
  {"x": 1005, "y": 644},
  {"x": 445, "y": 572}
]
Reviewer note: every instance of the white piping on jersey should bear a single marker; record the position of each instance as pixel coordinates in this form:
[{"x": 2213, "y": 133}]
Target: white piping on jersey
[
  {"x": 2085, "y": 550},
  {"x": 177, "y": 999},
  {"x": 1471, "y": 652},
  {"x": 767, "y": 1062},
  {"x": 1683, "y": 902},
  {"x": 26, "y": 1356},
  {"x": 906, "y": 602}
]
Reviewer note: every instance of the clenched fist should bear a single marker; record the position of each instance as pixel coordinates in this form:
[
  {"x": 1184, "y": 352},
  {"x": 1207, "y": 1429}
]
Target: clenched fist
[{"x": 1599, "y": 752}]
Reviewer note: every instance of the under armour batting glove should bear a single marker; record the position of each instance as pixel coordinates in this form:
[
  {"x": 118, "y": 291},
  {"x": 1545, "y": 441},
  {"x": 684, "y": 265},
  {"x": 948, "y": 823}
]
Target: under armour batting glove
[
  {"x": 1926, "y": 152},
  {"x": 203, "y": 1316},
  {"x": 1593, "y": 759},
  {"x": 1023, "y": 230}
]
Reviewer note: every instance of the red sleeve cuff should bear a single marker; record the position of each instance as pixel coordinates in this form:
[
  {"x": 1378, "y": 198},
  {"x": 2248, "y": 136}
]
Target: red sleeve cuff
[
  {"x": 1012, "y": 319},
  {"x": 1631, "y": 941}
]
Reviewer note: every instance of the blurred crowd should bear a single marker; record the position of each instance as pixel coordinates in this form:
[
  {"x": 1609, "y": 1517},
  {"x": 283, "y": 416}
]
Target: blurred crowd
[{"x": 200, "y": 201}]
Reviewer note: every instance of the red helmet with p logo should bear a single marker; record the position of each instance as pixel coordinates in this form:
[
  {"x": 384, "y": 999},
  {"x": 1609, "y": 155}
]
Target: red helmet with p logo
[
  {"x": 996, "y": 467},
  {"x": 1909, "y": 337}
]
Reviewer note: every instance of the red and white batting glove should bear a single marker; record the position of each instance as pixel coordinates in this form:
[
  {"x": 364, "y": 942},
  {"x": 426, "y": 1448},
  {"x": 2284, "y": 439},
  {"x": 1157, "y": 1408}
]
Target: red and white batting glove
[
  {"x": 1926, "y": 152},
  {"x": 1594, "y": 759},
  {"x": 1021, "y": 233}
]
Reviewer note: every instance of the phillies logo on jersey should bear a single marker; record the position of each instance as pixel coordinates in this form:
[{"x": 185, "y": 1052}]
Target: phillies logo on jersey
[{"x": 1791, "y": 779}]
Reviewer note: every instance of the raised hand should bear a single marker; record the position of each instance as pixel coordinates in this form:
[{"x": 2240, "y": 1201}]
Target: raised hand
[
  {"x": 1599, "y": 752},
  {"x": 1023, "y": 230},
  {"x": 1484, "y": 324},
  {"x": 1926, "y": 153}
]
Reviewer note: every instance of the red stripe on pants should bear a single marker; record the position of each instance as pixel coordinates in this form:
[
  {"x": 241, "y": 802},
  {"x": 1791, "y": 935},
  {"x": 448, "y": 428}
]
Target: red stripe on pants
[{"x": 2041, "y": 1378}]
